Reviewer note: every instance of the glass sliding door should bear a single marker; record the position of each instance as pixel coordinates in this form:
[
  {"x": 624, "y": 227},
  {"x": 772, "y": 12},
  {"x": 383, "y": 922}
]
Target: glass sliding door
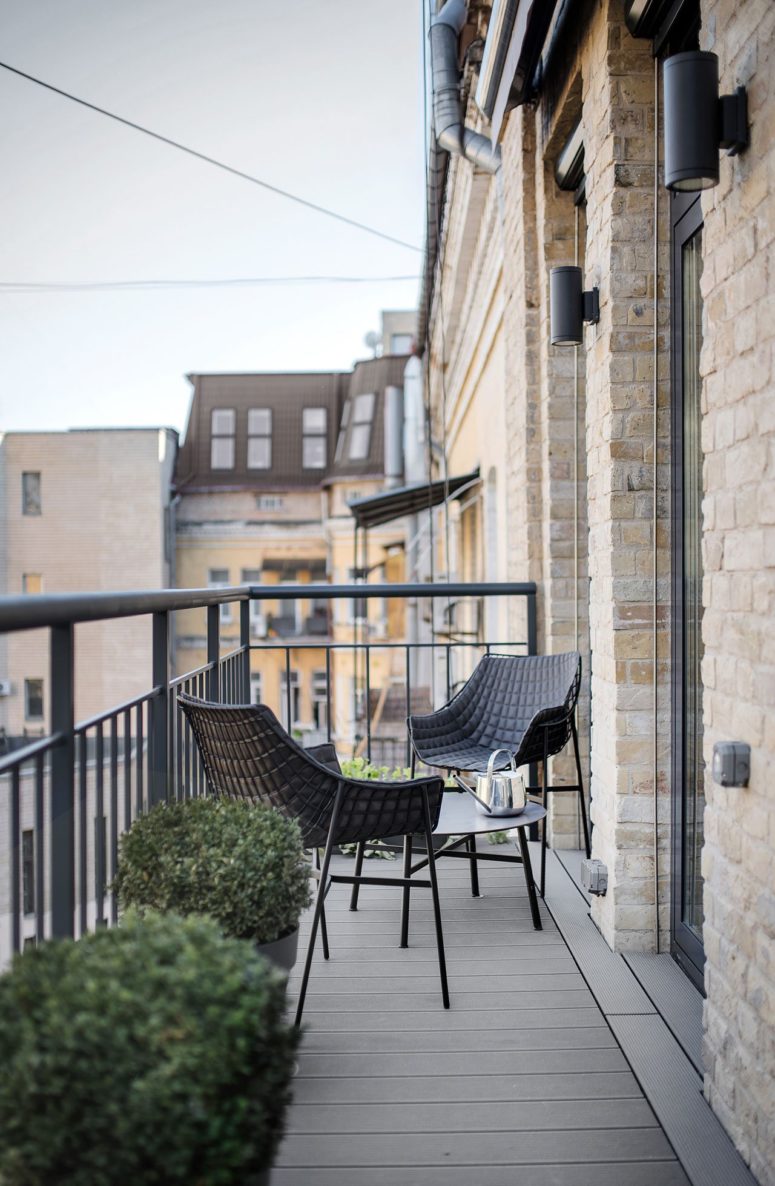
[{"x": 688, "y": 768}]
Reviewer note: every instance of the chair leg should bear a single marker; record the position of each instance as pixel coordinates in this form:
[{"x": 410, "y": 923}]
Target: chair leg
[
  {"x": 319, "y": 904},
  {"x": 529, "y": 882},
  {"x": 472, "y": 864},
  {"x": 407, "y": 872},
  {"x": 323, "y": 927},
  {"x": 544, "y": 801},
  {"x": 582, "y": 803},
  {"x": 436, "y": 903},
  {"x": 359, "y": 853}
]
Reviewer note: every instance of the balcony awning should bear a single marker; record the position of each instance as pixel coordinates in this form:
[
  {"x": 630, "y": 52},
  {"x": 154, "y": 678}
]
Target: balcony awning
[{"x": 407, "y": 500}]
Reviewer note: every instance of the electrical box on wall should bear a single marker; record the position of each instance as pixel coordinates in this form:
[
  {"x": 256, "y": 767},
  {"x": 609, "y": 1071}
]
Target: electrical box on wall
[
  {"x": 594, "y": 877},
  {"x": 731, "y": 763}
]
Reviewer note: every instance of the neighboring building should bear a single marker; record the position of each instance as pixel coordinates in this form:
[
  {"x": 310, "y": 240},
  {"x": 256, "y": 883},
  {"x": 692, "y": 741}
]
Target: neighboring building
[
  {"x": 631, "y": 476},
  {"x": 265, "y": 473},
  {"x": 84, "y": 510}
]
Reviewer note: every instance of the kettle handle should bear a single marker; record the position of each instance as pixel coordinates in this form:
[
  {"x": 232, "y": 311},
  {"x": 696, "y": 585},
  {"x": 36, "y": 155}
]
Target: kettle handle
[{"x": 491, "y": 762}]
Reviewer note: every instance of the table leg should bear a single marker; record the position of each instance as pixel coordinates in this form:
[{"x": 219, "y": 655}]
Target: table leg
[
  {"x": 531, "y": 889},
  {"x": 406, "y": 891},
  {"x": 471, "y": 846}
]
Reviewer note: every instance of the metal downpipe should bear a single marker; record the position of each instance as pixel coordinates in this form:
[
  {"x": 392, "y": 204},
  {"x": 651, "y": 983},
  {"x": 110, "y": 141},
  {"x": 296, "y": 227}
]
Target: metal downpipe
[{"x": 451, "y": 132}]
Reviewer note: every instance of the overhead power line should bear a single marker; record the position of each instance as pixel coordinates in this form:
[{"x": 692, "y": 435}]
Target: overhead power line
[
  {"x": 274, "y": 189},
  {"x": 43, "y": 286}
]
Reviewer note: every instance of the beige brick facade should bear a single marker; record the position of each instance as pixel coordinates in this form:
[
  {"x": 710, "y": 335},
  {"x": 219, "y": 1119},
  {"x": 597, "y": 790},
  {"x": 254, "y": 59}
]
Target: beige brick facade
[
  {"x": 583, "y": 523},
  {"x": 738, "y": 369}
]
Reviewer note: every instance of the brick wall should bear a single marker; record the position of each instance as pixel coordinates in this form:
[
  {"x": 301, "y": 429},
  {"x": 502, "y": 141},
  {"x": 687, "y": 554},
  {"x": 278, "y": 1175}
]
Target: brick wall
[{"x": 738, "y": 286}]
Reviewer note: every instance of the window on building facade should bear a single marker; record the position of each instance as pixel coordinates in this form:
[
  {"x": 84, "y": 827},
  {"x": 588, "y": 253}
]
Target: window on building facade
[
  {"x": 269, "y": 502},
  {"x": 260, "y": 438},
  {"x": 252, "y": 576},
  {"x": 218, "y": 578},
  {"x": 319, "y": 699},
  {"x": 294, "y": 697},
  {"x": 28, "y": 871},
  {"x": 31, "y": 496},
  {"x": 255, "y": 687},
  {"x": 342, "y": 431},
  {"x": 32, "y": 582},
  {"x": 401, "y": 343},
  {"x": 223, "y": 427},
  {"x": 315, "y": 438},
  {"x": 360, "y": 434},
  {"x": 33, "y": 699}
]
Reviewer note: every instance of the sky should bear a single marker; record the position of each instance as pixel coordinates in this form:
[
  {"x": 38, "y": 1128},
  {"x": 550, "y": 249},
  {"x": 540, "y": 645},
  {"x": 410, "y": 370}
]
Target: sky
[{"x": 320, "y": 98}]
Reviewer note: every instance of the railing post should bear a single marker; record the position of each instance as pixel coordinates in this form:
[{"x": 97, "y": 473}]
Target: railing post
[
  {"x": 532, "y": 649},
  {"x": 63, "y": 782},
  {"x": 213, "y": 651},
  {"x": 244, "y": 641},
  {"x": 158, "y": 736},
  {"x": 532, "y": 625}
]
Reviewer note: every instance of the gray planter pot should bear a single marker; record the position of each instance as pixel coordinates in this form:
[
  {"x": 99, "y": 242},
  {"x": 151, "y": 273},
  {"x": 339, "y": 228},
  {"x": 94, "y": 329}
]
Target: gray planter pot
[{"x": 282, "y": 952}]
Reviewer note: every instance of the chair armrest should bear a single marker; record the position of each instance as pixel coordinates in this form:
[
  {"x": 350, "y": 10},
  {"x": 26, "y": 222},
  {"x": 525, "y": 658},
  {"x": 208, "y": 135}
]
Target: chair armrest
[{"x": 326, "y": 755}]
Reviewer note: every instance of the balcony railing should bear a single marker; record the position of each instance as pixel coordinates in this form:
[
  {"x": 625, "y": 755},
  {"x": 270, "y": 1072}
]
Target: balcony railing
[{"x": 67, "y": 797}]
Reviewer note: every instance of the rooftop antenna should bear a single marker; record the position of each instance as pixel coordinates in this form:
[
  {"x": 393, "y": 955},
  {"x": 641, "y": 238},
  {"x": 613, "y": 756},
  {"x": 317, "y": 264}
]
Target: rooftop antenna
[{"x": 372, "y": 340}]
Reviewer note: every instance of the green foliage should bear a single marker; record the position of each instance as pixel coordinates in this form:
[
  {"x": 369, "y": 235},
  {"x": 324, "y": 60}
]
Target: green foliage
[
  {"x": 363, "y": 768},
  {"x": 153, "y": 1053},
  {"x": 239, "y": 862}
]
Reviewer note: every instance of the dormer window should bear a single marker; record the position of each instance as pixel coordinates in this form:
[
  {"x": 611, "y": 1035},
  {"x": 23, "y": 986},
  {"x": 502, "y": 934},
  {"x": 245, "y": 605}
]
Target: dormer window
[
  {"x": 223, "y": 425},
  {"x": 315, "y": 438},
  {"x": 360, "y": 433},
  {"x": 342, "y": 430},
  {"x": 259, "y": 438}
]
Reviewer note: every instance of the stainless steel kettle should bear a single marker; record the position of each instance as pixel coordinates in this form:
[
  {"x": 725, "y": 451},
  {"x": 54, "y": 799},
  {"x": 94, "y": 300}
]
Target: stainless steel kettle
[{"x": 501, "y": 793}]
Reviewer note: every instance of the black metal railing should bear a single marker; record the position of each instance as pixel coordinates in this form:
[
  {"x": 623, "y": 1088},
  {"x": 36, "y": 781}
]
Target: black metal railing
[{"x": 69, "y": 795}]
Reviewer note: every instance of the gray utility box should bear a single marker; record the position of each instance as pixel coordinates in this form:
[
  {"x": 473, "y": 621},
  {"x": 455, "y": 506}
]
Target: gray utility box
[{"x": 594, "y": 876}]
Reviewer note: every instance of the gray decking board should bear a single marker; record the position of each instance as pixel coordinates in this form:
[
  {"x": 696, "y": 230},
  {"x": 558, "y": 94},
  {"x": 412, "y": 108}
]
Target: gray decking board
[
  {"x": 464, "y": 1088},
  {"x": 445, "y": 1021},
  {"x": 633, "y": 1173},
  {"x": 675, "y": 997},
  {"x": 593, "y": 1037},
  {"x": 519, "y": 1083},
  {"x": 473, "y": 1148},
  {"x": 484, "y": 1062},
  {"x": 508, "y": 1116},
  {"x": 569, "y": 979}
]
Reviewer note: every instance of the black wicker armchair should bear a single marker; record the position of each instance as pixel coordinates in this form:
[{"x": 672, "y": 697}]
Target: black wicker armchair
[
  {"x": 524, "y": 705},
  {"x": 248, "y": 755}
]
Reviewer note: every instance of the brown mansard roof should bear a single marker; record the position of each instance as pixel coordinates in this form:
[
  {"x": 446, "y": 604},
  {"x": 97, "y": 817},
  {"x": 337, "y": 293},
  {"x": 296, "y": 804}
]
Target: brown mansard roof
[{"x": 287, "y": 395}]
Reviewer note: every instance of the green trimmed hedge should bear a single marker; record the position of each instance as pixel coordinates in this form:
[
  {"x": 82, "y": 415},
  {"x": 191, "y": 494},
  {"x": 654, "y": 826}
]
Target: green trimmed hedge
[
  {"x": 241, "y": 863},
  {"x": 153, "y": 1053}
]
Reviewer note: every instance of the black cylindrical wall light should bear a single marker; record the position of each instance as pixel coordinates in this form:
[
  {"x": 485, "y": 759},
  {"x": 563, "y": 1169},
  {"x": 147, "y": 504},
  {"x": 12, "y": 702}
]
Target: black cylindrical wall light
[
  {"x": 570, "y": 307},
  {"x": 697, "y": 122}
]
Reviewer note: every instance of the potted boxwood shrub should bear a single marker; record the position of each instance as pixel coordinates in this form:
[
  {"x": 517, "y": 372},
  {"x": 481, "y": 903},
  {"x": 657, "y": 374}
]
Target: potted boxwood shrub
[
  {"x": 156, "y": 1053},
  {"x": 241, "y": 863}
]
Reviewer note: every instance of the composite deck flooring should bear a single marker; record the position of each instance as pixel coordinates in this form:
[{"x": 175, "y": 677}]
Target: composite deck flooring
[{"x": 520, "y": 1083}]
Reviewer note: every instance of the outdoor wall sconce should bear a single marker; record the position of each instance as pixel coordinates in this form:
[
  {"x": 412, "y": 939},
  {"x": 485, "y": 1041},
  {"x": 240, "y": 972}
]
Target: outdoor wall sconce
[
  {"x": 570, "y": 307},
  {"x": 698, "y": 122}
]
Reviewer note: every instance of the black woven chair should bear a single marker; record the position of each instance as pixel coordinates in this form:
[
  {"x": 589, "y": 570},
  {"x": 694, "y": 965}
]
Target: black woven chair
[
  {"x": 524, "y": 705},
  {"x": 248, "y": 755}
]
